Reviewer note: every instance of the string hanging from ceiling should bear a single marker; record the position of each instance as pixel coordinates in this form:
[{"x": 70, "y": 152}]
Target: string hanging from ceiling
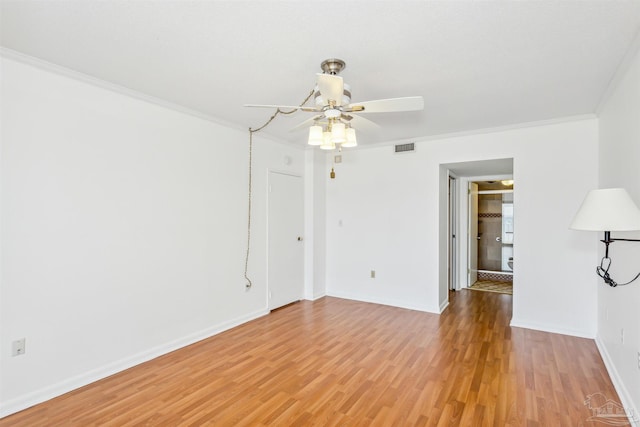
[{"x": 249, "y": 283}]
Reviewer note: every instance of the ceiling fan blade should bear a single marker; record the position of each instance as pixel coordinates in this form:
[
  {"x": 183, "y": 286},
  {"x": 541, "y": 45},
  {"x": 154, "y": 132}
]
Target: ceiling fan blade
[
  {"x": 410, "y": 103},
  {"x": 306, "y": 123},
  {"x": 287, "y": 107},
  {"x": 362, "y": 124},
  {"x": 331, "y": 88}
]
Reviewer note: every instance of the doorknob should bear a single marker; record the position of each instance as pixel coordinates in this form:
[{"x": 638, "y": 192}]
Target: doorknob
[
  {"x": 299, "y": 239},
  {"x": 498, "y": 239}
]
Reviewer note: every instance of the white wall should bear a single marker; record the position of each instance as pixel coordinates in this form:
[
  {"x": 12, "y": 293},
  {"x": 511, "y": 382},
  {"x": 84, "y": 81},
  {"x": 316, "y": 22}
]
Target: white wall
[
  {"x": 619, "y": 308},
  {"x": 377, "y": 215},
  {"x": 315, "y": 224},
  {"x": 389, "y": 207},
  {"x": 123, "y": 230}
]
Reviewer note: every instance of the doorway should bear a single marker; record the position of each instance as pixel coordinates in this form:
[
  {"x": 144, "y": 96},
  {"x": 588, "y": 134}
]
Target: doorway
[
  {"x": 454, "y": 217},
  {"x": 285, "y": 239},
  {"x": 491, "y": 235}
]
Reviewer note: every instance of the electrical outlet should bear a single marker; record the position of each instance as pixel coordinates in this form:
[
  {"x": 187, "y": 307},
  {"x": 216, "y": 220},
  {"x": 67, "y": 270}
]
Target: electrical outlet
[
  {"x": 373, "y": 274},
  {"x": 19, "y": 347},
  {"x": 621, "y": 335}
]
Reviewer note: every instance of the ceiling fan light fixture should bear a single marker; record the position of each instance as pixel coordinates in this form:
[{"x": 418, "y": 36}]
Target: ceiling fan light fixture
[
  {"x": 315, "y": 135},
  {"x": 338, "y": 133},
  {"x": 327, "y": 142},
  {"x": 351, "y": 138}
]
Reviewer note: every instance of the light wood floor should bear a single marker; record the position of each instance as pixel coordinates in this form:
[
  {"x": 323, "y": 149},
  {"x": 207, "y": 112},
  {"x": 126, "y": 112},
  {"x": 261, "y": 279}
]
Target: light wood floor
[{"x": 336, "y": 362}]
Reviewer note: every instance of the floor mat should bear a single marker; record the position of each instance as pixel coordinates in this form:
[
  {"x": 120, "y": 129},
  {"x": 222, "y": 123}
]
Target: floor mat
[{"x": 491, "y": 286}]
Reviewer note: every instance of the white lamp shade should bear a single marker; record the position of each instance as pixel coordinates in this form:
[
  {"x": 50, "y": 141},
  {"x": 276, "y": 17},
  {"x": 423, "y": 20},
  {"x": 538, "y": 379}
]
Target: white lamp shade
[
  {"x": 610, "y": 209},
  {"x": 351, "y": 138},
  {"x": 338, "y": 133},
  {"x": 315, "y": 135},
  {"x": 327, "y": 142}
]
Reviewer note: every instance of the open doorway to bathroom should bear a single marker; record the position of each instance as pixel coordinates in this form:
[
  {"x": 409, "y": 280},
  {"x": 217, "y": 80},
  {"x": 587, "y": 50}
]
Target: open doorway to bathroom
[
  {"x": 491, "y": 235},
  {"x": 455, "y": 224}
]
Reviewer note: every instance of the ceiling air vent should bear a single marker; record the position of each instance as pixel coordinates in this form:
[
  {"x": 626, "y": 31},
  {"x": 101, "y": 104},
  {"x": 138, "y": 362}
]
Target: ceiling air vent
[{"x": 404, "y": 148}]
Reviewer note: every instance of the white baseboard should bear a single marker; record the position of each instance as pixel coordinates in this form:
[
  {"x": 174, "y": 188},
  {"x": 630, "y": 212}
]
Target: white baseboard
[
  {"x": 444, "y": 305},
  {"x": 382, "y": 301},
  {"x": 623, "y": 393},
  {"x": 314, "y": 297},
  {"x": 30, "y": 399},
  {"x": 552, "y": 329}
]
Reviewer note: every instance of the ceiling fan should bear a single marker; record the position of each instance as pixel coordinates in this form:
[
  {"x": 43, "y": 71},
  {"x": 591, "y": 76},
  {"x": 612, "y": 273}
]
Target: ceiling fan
[{"x": 333, "y": 106}]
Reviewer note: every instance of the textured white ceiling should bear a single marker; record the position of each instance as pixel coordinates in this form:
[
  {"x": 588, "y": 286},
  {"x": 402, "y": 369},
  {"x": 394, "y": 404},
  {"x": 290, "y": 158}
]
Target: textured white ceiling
[{"x": 478, "y": 64}]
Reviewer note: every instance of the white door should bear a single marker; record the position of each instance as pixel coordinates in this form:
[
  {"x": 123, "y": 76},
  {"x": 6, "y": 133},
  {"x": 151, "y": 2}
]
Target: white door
[
  {"x": 473, "y": 233},
  {"x": 286, "y": 246}
]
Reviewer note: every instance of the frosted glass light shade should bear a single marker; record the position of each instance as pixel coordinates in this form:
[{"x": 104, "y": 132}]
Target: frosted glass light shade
[
  {"x": 338, "y": 133},
  {"x": 610, "y": 209},
  {"x": 315, "y": 135},
  {"x": 327, "y": 142},
  {"x": 351, "y": 138}
]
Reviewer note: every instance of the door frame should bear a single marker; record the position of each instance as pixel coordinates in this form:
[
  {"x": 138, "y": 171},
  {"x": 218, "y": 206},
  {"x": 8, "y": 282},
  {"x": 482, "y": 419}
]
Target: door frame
[
  {"x": 472, "y": 233},
  {"x": 452, "y": 266},
  {"x": 463, "y": 222}
]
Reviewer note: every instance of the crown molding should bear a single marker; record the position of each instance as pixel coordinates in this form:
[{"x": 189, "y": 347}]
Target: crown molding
[
  {"x": 103, "y": 84},
  {"x": 480, "y": 131},
  {"x": 122, "y": 90}
]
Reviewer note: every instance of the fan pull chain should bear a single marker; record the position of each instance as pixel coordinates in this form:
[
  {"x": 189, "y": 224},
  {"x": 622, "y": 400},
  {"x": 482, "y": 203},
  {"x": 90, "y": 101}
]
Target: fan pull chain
[{"x": 249, "y": 283}]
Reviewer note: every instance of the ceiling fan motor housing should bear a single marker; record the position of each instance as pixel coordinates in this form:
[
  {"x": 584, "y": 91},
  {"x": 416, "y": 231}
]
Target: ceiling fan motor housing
[
  {"x": 333, "y": 66},
  {"x": 321, "y": 102}
]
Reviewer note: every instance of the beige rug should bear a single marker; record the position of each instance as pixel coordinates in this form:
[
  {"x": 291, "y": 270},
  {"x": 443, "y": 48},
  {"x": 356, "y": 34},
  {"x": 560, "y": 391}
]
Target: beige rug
[{"x": 491, "y": 286}]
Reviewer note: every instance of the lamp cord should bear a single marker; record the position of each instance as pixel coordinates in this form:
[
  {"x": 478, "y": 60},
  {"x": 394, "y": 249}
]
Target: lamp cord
[
  {"x": 251, "y": 132},
  {"x": 603, "y": 272}
]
